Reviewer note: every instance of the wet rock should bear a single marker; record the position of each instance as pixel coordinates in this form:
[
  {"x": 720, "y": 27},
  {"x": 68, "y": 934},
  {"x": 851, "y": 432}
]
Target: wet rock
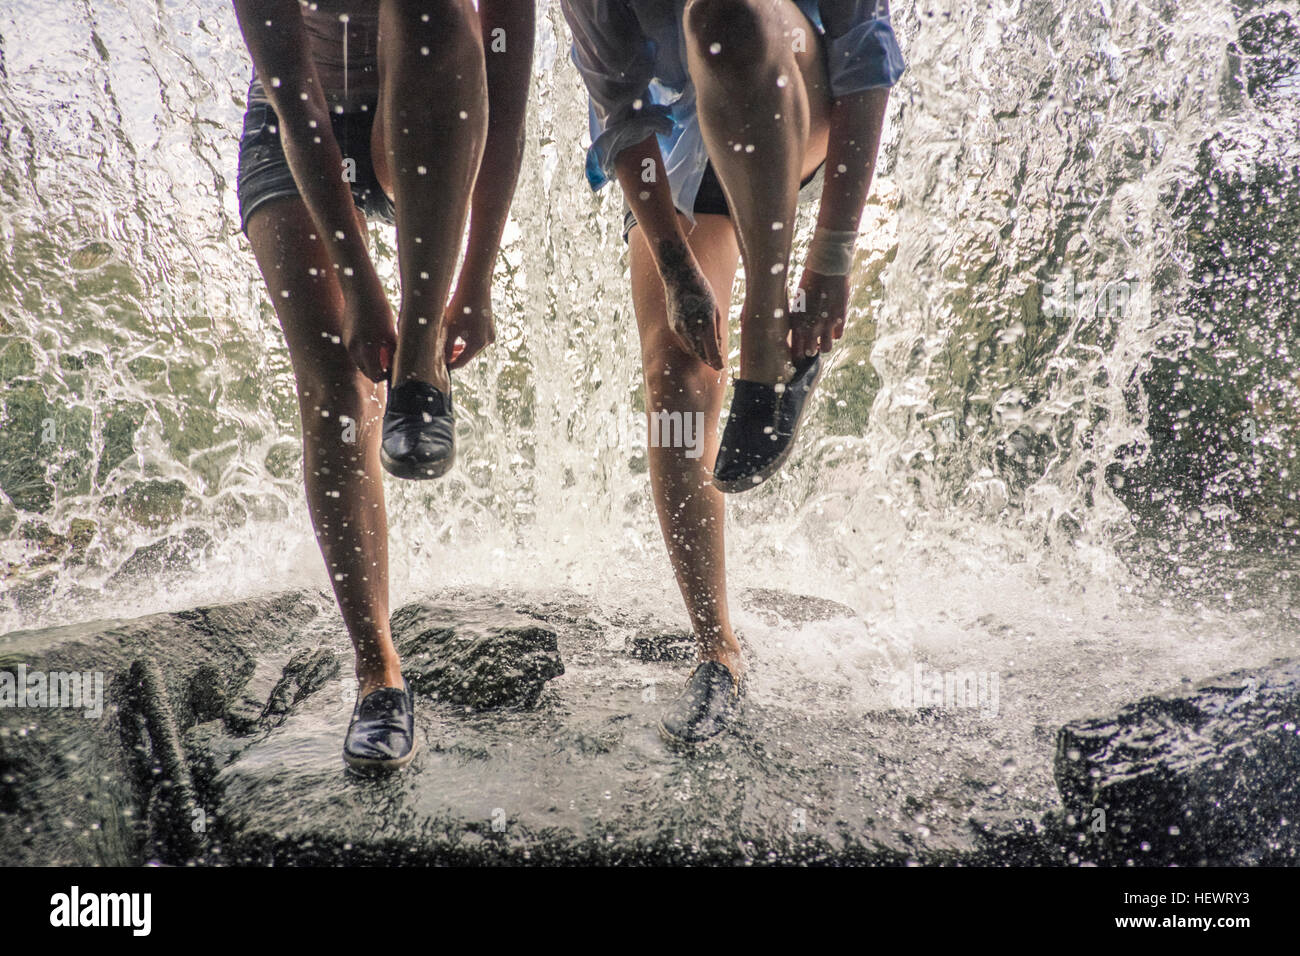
[
  {"x": 176, "y": 553},
  {"x": 654, "y": 646},
  {"x": 777, "y": 607},
  {"x": 306, "y": 673},
  {"x": 79, "y": 789},
  {"x": 247, "y": 706},
  {"x": 208, "y": 690},
  {"x": 518, "y": 767},
  {"x": 492, "y": 658},
  {"x": 159, "y": 770},
  {"x": 1206, "y": 775}
]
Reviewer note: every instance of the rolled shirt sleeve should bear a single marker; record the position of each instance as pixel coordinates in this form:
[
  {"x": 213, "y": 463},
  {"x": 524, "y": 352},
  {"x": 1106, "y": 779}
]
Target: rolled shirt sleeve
[
  {"x": 862, "y": 52},
  {"x": 616, "y": 61}
]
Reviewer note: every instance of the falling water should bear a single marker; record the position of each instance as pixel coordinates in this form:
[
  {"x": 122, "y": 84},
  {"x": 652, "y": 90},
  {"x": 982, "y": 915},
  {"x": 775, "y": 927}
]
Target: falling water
[{"x": 1066, "y": 252}]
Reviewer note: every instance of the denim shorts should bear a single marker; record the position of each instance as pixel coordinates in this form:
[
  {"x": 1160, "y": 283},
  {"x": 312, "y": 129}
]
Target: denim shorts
[
  {"x": 711, "y": 200},
  {"x": 264, "y": 172}
]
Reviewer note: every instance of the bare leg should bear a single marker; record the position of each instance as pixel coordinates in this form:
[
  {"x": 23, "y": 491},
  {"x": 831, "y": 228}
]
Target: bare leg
[
  {"x": 691, "y": 511},
  {"x": 764, "y": 108},
  {"x": 431, "y": 127},
  {"x": 340, "y": 410}
]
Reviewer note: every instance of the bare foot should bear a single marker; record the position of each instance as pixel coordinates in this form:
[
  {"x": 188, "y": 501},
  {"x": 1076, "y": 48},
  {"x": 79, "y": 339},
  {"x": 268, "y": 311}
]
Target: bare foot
[{"x": 693, "y": 314}]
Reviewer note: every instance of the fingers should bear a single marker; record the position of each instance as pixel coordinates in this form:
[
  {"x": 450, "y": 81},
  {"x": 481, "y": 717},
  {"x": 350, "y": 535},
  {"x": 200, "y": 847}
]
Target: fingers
[
  {"x": 372, "y": 362},
  {"x": 463, "y": 346},
  {"x": 799, "y": 339},
  {"x": 714, "y": 346},
  {"x": 703, "y": 346},
  {"x": 712, "y": 351},
  {"x": 809, "y": 338},
  {"x": 459, "y": 353}
]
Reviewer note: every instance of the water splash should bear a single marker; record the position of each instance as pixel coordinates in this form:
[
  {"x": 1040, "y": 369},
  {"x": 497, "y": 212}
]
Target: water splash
[{"x": 1027, "y": 263}]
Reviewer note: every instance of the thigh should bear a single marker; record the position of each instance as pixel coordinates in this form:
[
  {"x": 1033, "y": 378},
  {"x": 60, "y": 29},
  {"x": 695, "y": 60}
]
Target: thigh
[
  {"x": 303, "y": 288},
  {"x": 810, "y": 57},
  {"x": 713, "y": 240}
]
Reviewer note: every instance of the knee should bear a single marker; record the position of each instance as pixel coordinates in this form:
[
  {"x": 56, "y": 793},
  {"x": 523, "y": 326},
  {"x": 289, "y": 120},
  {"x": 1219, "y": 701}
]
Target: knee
[
  {"x": 677, "y": 379},
  {"x": 731, "y": 34},
  {"x": 335, "y": 401}
]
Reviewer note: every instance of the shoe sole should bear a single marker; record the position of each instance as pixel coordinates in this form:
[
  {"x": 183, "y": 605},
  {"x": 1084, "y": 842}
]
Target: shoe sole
[
  {"x": 368, "y": 767},
  {"x": 416, "y": 471},
  {"x": 768, "y": 470}
]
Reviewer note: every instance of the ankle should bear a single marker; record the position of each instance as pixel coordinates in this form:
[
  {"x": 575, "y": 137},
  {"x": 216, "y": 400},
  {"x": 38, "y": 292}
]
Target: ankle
[
  {"x": 764, "y": 346},
  {"x": 435, "y": 373},
  {"x": 767, "y": 366},
  {"x": 371, "y": 678},
  {"x": 729, "y": 656}
]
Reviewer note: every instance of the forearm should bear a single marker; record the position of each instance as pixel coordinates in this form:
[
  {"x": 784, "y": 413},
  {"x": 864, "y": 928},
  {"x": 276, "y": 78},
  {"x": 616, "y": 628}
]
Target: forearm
[
  {"x": 276, "y": 39},
  {"x": 507, "y": 27},
  {"x": 855, "y": 127},
  {"x": 644, "y": 179}
]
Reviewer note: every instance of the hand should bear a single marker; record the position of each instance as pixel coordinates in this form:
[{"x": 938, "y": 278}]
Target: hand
[
  {"x": 693, "y": 314},
  {"x": 369, "y": 333},
  {"x": 469, "y": 319},
  {"x": 695, "y": 319},
  {"x": 826, "y": 300}
]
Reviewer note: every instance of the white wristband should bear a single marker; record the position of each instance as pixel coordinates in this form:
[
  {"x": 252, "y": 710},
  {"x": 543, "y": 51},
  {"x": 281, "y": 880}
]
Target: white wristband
[{"x": 831, "y": 251}]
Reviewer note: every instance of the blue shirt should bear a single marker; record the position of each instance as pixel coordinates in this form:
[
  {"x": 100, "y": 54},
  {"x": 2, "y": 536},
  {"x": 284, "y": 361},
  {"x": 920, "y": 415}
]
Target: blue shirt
[{"x": 632, "y": 57}]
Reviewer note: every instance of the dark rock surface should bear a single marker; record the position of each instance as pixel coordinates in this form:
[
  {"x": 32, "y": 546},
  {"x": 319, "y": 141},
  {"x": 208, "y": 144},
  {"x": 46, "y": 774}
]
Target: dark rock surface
[
  {"x": 220, "y": 744},
  {"x": 1206, "y": 775},
  {"x": 504, "y": 660}
]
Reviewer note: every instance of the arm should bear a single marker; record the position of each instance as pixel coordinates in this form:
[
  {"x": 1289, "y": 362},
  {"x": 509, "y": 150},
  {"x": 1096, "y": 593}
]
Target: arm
[
  {"x": 616, "y": 61},
  {"x": 693, "y": 315},
  {"x": 864, "y": 62},
  {"x": 507, "y": 28},
  {"x": 277, "y": 41}
]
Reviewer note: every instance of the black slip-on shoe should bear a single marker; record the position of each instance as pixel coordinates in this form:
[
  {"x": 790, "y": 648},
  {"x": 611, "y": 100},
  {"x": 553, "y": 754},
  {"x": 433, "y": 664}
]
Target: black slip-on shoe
[
  {"x": 705, "y": 707},
  {"x": 381, "y": 737},
  {"x": 419, "y": 432},
  {"x": 762, "y": 428}
]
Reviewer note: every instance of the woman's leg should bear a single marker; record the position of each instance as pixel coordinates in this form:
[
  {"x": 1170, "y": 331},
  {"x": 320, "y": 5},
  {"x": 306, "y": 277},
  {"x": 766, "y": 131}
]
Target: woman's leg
[
  {"x": 691, "y": 511},
  {"x": 764, "y": 107},
  {"x": 341, "y": 411},
  {"x": 430, "y": 129}
]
